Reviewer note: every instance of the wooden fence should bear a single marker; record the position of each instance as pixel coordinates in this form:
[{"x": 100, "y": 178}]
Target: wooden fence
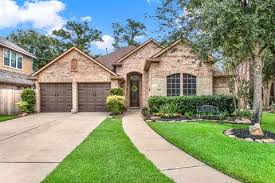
[{"x": 8, "y": 100}]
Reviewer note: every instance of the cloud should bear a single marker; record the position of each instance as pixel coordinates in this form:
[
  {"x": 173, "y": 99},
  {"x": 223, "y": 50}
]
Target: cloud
[
  {"x": 86, "y": 19},
  {"x": 105, "y": 44},
  {"x": 40, "y": 14}
]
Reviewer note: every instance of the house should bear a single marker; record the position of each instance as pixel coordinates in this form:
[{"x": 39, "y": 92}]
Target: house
[
  {"x": 76, "y": 82},
  {"x": 15, "y": 66}
]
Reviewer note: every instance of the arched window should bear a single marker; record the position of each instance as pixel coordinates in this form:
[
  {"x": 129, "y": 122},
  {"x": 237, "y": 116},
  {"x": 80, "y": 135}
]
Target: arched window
[
  {"x": 173, "y": 85},
  {"x": 189, "y": 84}
]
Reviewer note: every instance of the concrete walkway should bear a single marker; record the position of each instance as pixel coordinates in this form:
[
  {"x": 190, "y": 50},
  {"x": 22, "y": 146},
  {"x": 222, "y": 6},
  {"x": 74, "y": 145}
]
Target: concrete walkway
[
  {"x": 172, "y": 161},
  {"x": 32, "y": 146}
]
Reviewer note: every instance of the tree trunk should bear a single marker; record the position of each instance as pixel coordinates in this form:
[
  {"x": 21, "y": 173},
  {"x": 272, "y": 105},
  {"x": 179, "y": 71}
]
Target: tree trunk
[
  {"x": 266, "y": 94},
  {"x": 258, "y": 86}
]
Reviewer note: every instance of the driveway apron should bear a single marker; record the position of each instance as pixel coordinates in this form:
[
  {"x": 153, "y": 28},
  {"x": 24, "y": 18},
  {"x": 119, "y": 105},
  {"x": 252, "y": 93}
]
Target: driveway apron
[{"x": 31, "y": 147}]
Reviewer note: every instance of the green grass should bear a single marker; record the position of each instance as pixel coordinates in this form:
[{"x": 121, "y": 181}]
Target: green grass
[
  {"x": 246, "y": 161},
  {"x": 106, "y": 155},
  {"x": 6, "y": 117}
]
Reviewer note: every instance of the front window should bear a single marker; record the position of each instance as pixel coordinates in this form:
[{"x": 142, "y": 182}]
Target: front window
[
  {"x": 13, "y": 59},
  {"x": 173, "y": 85},
  {"x": 189, "y": 84}
]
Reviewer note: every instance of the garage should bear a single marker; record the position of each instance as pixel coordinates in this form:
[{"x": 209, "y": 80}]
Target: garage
[
  {"x": 92, "y": 96},
  {"x": 56, "y": 97}
]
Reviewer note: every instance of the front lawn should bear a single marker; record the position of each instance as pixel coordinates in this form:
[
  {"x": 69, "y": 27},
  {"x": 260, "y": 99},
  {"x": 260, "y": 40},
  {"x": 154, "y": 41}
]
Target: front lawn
[
  {"x": 246, "y": 161},
  {"x": 106, "y": 155},
  {"x": 6, "y": 117}
]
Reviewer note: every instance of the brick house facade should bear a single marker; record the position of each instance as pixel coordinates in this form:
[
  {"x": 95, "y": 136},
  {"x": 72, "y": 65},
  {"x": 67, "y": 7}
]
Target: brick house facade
[{"x": 150, "y": 69}]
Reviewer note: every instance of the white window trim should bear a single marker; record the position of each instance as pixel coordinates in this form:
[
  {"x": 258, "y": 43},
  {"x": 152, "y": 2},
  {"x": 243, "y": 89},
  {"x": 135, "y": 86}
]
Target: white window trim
[{"x": 16, "y": 63}]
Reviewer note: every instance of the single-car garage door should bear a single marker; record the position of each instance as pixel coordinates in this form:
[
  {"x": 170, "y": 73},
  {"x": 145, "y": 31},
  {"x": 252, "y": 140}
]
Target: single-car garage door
[
  {"x": 56, "y": 97},
  {"x": 92, "y": 96}
]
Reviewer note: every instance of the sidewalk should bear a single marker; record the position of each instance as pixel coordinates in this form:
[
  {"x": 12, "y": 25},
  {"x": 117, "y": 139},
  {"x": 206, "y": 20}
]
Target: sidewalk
[{"x": 172, "y": 161}]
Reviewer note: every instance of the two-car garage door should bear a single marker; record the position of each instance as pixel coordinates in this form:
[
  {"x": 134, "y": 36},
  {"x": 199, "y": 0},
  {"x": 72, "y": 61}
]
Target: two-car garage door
[{"x": 57, "y": 97}]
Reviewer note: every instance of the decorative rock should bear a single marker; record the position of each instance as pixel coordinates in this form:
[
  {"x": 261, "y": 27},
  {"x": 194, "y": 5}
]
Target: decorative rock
[
  {"x": 228, "y": 132},
  {"x": 268, "y": 140},
  {"x": 154, "y": 118},
  {"x": 23, "y": 114},
  {"x": 232, "y": 136},
  {"x": 256, "y": 130},
  {"x": 249, "y": 139},
  {"x": 242, "y": 121},
  {"x": 258, "y": 140}
]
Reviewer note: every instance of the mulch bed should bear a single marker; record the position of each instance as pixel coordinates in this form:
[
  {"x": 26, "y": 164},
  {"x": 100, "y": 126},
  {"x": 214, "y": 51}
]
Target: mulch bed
[{"x": 244, "y": 133}]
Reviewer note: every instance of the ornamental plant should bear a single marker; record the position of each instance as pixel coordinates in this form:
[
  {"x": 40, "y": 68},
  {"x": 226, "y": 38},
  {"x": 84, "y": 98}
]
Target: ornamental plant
[
  {"x": 115, "y": 104},
  {"x": 28, "y": 101},
  {"x": 116, "y": 91}
]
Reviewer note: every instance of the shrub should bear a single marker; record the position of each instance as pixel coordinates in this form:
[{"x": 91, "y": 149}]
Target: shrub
[
  {"x": 115, "y": 104},
  {"x": 244, "y": 113},
  {"x": 145, "y": 111},
  {"x": 116, "y": 91},
  {"x": 23, "y": 107},
  {"x": 168, "y": 110},
  {"x": 28, "y": 96},
  {"x": 189, "y": 103}
]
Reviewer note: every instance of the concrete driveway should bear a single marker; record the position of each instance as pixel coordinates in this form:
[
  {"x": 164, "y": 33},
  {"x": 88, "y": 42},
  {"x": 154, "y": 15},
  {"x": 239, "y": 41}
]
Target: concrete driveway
[{"x": 31, "y": 147}]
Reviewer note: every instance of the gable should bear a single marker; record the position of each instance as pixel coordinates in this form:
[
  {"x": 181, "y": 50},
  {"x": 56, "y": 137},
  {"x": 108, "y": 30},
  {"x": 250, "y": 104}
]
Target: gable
[
  {"x": 141, "y": 47},
  {"x": 74, "y": 66},
  {"x": 79, "y": 52}
]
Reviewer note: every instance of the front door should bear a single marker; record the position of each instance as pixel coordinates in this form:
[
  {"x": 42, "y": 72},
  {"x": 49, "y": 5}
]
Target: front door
[{"x": 134, "y": 90}]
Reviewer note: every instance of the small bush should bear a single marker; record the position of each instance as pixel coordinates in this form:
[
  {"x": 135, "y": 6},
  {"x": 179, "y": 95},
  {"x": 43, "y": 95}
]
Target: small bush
[
  {"x": 23, "y": 107},
  {"x": 116, "y": 91},
  {"x": 115, "y": 104},
  {"x": 168, "y": 110},
  {"x": 190, "y": 103},
  {"x": 145, "y": 111},
  {"x": 28, "y": 96},
  {"x": 244, "y": 113}
]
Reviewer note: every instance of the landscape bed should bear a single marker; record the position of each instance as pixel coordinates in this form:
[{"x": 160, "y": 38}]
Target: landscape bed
[
  {"x": 246, "y": 161},
  {"x": 106, "y": 155}
]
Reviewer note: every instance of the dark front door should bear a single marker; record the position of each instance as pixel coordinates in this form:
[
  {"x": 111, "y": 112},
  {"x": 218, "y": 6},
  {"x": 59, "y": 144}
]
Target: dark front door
[
  {"x": 56, "y": 97},
  {"x": 92, "y": 96},
  {"x": 134, "y": 90}
]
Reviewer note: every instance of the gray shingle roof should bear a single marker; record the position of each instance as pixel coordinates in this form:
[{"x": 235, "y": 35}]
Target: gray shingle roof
[
  {"x": 6, "y": 43},
  {"x": 109, "y": 59},
  {"x": 14, "y": 78}
]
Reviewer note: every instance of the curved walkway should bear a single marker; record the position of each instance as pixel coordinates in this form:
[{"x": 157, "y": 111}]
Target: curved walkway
[{"x": 172, "y": 161}]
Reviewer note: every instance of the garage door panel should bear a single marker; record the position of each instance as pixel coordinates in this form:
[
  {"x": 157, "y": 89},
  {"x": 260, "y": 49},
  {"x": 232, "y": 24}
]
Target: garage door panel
[
  {"x": 56, "y": 97},
  {"x": 92, "y": 96}
]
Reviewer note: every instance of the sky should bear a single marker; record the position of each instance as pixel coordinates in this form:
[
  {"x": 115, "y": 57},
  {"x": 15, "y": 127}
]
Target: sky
[{"x": 47, "y": 15}]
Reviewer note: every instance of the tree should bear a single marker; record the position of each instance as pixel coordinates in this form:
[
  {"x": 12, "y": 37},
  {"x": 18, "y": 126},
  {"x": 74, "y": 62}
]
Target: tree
[
  {"x": 239, "y": 29},
  {"x": 42, "y": 46},
  {"x": 129, "y": 33},
  {"x": 77, "y": 34}
]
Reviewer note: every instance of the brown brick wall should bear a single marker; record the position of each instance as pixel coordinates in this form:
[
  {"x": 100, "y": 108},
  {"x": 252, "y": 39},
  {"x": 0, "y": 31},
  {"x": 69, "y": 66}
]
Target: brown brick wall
[
  {"x": 179, "y": 59},
  {"x": 60, "y": 71},
  {"x": 220, "y": 86},
  {"x": 27, "y": 64},
  {"x": 135, "y": 63}
]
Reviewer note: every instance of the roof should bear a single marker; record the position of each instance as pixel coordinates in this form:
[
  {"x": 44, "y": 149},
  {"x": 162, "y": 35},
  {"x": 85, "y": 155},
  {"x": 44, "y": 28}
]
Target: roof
[
  {"x": 109, "y": 59},
  {"x": 138, "y": 48},
  {"x": 14, "y": 78},
  {"x": 8, "y": 44},
  {"x": 69, "y": 50}
]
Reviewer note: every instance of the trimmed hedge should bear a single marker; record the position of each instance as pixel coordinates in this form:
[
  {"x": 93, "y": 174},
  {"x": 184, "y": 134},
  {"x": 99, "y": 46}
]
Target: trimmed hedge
[{"x": 189, "y": 103}]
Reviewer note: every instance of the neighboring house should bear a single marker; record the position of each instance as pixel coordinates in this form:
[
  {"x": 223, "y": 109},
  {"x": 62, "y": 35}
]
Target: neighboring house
[
  {"x": 76, "y": 82},
  {"x": 15, "y": 66}
]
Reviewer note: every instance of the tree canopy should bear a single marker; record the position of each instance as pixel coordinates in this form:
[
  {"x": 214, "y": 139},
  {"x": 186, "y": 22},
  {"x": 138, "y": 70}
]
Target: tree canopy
[
  {"x": 78, "y": 34},
  {"x": 128, "y": 34},
  {"x": 42, "y": 46}
]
